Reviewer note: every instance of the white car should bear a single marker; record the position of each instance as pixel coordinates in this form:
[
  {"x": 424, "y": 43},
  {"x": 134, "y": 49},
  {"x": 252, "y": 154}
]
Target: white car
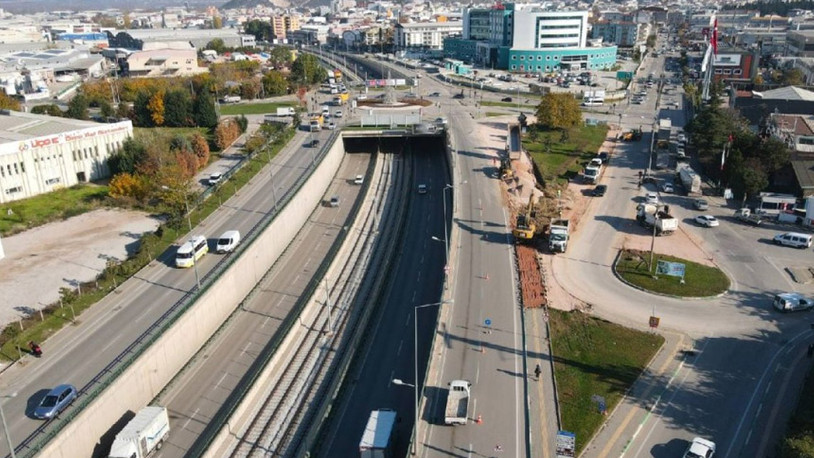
[
  {"x": 651, "y": 198},
  {"x": 338, "y": 114},
  {"x": 706, "y": 220},
  {"x": 331, "y": 125},
  {"x": 422, "y": 189},
  {"x": 668, "y": 188},
  {"x": 215, "y": 178},
  {"x": 700, "y": 448},
  {"x": 682, "y": 138}
]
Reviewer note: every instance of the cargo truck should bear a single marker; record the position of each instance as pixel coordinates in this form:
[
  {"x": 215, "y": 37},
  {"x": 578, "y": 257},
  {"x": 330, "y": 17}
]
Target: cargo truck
[
  {"x": 649, "y": 215},
  {"x": 457, "y": 403},
  {"x": 143, "y": 435},
  {"x": 285, "y": 111},
  {"x": 377, "y": 439},
  {"x": 690, "y": 180},
  {"x": 591, "y": 173},
  {"x": 558, "y": 236},
  {"x": 664, "y": 132}
]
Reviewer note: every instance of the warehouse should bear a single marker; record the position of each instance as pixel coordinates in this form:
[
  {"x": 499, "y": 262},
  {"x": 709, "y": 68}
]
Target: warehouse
[{"x": 40, "y": 154}]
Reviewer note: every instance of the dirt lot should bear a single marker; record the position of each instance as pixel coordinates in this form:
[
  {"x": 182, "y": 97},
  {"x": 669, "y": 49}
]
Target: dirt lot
[{"x": 40, "y": 261}]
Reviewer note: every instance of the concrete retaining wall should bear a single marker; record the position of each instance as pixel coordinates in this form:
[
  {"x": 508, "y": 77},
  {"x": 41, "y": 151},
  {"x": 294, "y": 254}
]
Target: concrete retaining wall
[{"x": 142, "y": 381}]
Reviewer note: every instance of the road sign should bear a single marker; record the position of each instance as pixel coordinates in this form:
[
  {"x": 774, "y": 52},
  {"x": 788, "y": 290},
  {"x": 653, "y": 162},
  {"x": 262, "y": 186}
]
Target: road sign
[
  {"x": 654, "y": 321},
  {"x": 487, "y": 322},
  {"x": 674, "y": 269},
  {"x": 566, "y": 443}
]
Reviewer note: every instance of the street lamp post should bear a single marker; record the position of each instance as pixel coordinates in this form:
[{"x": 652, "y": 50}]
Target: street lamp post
[
  {"x": 415, "y": 367},
  {"x": 271, "y": 177},
  {"x": 186, "y": 206},
  {"x": 5, "y": 426}
]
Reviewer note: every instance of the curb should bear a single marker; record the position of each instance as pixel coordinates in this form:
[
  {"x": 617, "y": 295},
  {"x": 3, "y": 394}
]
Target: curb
[{"x": 691, "y": 298}]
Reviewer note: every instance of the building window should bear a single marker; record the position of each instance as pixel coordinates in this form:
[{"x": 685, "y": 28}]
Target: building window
[
  {"x": 514, "y": 67},
  {"x": 22, "y": 167},
  {"x": 727, "y": 71},
  {"x": 547, "y": 57},
  {"x": 52, "y": 181},
  {"x": 14, "y": 190},
  {"x": 737, "y": 71},
  {"x": 16, "y": 170},
  {"x": 96, "y": 151},
  {"x": 514, "y": 57}
]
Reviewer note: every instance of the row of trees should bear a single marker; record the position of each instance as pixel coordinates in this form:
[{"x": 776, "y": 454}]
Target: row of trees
[{"x": 751, "y": 159}]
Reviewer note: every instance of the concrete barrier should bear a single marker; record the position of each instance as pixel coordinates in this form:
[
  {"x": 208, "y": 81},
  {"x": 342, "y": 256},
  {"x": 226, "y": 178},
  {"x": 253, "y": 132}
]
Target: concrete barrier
[{"x": 143, "y": 380}]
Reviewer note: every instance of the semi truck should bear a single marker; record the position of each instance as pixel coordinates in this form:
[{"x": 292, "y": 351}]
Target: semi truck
[
  {"x": 377, "y": 439},
  {"x": 143, "y": 435},
  {"x": 558, "y": 236},
  {"x": 664, "y": 132},
  {"x": 650, "y": 215},
  {"x": 690, "y": 180},
  {"x": 457, "y": 403}
]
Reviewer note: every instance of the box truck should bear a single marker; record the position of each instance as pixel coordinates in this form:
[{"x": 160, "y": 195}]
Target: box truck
[
  {"x": 143, "y": 435},
  {"x": 377, "y": 439}
]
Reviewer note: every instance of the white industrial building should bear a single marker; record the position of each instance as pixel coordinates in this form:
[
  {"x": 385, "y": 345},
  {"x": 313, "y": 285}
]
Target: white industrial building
[
  {"x": 550, "y": 29},
  {"x": 40, "y": 154},
  {"x": 164, "y": 60}
]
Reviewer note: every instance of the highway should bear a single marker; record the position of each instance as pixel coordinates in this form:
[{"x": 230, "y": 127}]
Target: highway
[
  {"x": 387, "y": 352},
  {"x": 77, "y": 353},
  {"x": 195, "y": 396}
]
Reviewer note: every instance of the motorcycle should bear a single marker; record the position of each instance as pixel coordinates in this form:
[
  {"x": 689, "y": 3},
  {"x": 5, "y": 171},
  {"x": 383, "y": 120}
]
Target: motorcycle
[{"x": 35, "y": 349}]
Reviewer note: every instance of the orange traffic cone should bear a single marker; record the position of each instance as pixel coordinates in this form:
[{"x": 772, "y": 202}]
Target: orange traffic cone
[{"x": 479, "y": 420}]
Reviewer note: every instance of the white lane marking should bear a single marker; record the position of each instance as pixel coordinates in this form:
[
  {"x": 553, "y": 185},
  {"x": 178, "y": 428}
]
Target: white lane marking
[
  {"x": 190, "y": 419},
  {"x": 401, "y": 344},
  {"x": 757, "y": 388},
  {"x": 221, "y": 378}
]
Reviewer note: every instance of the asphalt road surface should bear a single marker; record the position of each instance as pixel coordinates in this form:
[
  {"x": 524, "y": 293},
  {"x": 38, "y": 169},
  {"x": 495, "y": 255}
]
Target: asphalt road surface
[{"x": 416, "y": 279}]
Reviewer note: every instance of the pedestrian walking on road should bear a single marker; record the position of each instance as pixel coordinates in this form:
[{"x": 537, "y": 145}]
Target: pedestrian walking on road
[{"x": 537, "y": 372}]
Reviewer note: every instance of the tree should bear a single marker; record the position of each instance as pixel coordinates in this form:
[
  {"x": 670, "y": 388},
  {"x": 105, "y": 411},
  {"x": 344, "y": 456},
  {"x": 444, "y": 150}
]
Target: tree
[
  {"x": 307, "y": 70},
  {"x": 78, "y": 107},
  {"x": 242, "y": 123},
  {"x": 216, "y": 45},
  {"x": 281, "y": 56},
  {"x": 204, "y": 111},
  {"x": 126, "y": 159},
  {"x": 274, "y": 83},
  {"x": 156, "y": 107},
  {"x": 226, "y": 133},
  {"x": 751, "y": 180},
  {"x": 201, "y": 149},
  {"x": 178, "y": 108},
  {"x": 792, "y": 77},
  {"x": 217, "y": 22},
  {"x": 127, "y": 21},
  {"x": 127, "y": 185},
  {"x": 250, "y": 89},
  {"x": 105, "y": 109},
  {"x": 559, "y": 111},
  {"x": 52, "y": 109},
  {"x": 651, "y": 41},
  {"x": 261, "y": 30},
  {"x": 141, "y": 113},
  {"x": 123, "y": 110}
]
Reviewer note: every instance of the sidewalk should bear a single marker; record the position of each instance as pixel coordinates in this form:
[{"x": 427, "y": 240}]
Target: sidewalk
[{"x": 543, "y": 409}]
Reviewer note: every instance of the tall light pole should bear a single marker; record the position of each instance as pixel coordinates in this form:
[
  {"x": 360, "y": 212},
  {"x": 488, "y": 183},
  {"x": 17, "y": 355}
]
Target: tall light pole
[
  {"x": 271, "y": 176},
  {"x": 415, "y": 366},
  {"x": 5, "y": 426}
]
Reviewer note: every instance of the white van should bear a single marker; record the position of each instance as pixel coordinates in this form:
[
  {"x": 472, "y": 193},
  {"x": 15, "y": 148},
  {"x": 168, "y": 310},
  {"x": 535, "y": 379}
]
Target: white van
[
  {"x": 227, "y": 242},
  {"x": 191, "y": 251},
  {"x": 793, "y": 239}
]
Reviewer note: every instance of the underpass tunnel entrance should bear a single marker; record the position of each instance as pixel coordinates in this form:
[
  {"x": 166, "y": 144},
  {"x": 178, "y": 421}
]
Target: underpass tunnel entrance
[{"x": 397, "y": 145}]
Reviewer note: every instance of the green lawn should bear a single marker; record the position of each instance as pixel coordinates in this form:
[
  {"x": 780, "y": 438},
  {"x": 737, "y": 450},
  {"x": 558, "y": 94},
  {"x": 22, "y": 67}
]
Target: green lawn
[
  {"x": 253, "y": 108},
  {"x": 494, "y": 113},
  {"x": 699, "y": 280},
  {"x": 562, "y": 160},
  {"x": 54, "y": 206},
  {"x": 594, "y": 357},
  {"x": 799, "y": 439}
]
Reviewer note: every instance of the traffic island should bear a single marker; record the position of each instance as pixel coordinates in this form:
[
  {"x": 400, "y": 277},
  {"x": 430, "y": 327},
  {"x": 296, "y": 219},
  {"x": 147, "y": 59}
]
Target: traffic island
[
  {"x": 595, "y": 364},
  {"x": 669, "y": 275}
]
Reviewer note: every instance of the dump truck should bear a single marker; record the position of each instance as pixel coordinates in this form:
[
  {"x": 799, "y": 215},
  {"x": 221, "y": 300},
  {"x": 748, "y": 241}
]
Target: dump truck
[
  {"x": 650, "y": 215},
  {"x": 690, "y": 180},
  {"x": 525, "y": 227},
  {"x": 457, "y": 403},
  {"x": 377, "y": 439},
  {"x": 143, "y": 435},
  {"x": 558, "y": 236},
  {"x": 745, "y": 215}
]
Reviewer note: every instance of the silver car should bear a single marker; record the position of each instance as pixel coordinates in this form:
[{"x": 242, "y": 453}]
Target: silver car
[{"x": 55, "y": 402}]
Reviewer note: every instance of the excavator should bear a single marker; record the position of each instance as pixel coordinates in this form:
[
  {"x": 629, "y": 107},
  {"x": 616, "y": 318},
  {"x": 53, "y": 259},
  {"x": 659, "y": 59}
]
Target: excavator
[
  {"x": 525, "y": 226},
  {"x": 632, "y": 136}
]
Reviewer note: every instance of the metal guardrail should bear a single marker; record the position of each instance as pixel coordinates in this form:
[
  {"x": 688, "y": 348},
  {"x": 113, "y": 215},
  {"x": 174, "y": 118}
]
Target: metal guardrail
[{"x": 37, "y": 440}]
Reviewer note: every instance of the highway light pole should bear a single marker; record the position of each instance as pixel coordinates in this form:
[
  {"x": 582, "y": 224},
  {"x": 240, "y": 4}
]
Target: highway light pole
[
  {"x": 5, "y": 426},
  {"x": 415, "y": 366}
]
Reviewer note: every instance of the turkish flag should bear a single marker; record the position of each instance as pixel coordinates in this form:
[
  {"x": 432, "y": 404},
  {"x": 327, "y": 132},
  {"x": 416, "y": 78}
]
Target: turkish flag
[{"x": 714, "y": 39}]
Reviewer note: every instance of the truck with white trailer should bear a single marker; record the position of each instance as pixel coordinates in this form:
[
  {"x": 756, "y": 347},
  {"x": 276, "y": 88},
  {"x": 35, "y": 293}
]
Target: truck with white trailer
[
  {"x": 377, "y": 439},
  {"x": 143, "y": 435},
  {"x": 591, "y": 173},
  {"x": 558, "y": 236},
  {"x": 690, "y": 180},
  {"x": 664, "y": 133},
  {"x": 457, "y": 403},
  {"x": 649, "y": 215}
]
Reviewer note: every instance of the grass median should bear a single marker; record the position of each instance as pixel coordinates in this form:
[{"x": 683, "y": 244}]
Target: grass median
[
  {"x": 253, "y": 108},
  {"x": 594, "y": 359},
  {"x": 559, "y": 157},
  {"x": 699, "y": 280}
]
